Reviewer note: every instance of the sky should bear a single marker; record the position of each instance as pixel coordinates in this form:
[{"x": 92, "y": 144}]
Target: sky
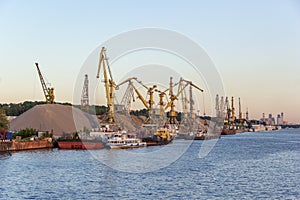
[{"x": 254, "y": 44}]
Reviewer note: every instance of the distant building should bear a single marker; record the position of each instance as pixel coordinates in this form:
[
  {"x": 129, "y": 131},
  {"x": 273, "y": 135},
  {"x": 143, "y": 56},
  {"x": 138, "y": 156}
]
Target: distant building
[
  {"x": 280, "y": 119},
  {"x": 268, "y": 121}
]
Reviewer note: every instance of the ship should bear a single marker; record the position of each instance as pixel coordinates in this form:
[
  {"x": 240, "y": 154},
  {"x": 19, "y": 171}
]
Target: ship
[
  {"x": 200, "y": 135},
  {"x": 160, "y": 137},
  {"x": 228, "y": 132},
  {"x": 80, "y": 144},
  {"x": 122, "y": 140}
]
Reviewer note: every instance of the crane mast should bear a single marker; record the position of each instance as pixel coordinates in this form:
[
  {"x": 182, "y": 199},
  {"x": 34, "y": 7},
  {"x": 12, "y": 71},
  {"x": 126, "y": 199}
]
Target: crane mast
[
  {"x": 217, "y": 106},
  {"x": 48, "y": 92},
  {"x": 191, "y": 103},
  {"x": 85, "y": 94},
  {"x": 109, "y": 84},
  {"x": 232, "y": 110},
  {"x": 222, "y": 107},
  {"x": 240, "y": 111},
  {"x": 192, "y": 115},
  {"x": 173, "y": 97},
  {"x": 161, "y": 95},
  {"x": 228, "y": 110}
]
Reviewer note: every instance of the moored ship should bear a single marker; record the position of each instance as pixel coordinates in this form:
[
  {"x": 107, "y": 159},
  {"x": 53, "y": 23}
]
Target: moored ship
[
  {"x": 160, "y": 137},
  {"x": 83, "y": 142},
  {"x": 124, "y": 141},
  {"x": 80, "y": 144},
  {"x": 228, "y": 132}
]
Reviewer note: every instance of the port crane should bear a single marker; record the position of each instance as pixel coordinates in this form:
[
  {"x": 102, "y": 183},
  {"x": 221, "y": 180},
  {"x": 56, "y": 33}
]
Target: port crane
[
  {"x": 161, "y": 103},
  {"x": 85, "y": 94},
  {"x": 222, "y": 107},
  {"x": 240, "y": 112},
  {"x": 192, "y": 115},
  {"x": 217, "y": 107},
  {"x": 129, "y": 94},
  {"x": 174, "y": 97},
  {"x": 109, "y": 83},
  {"x": 48, "y": 92},
  {"x": 232, "y": 110}
]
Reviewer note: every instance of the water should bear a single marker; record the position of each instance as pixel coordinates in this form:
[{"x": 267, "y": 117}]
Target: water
[{"x": 243, "y": 166}]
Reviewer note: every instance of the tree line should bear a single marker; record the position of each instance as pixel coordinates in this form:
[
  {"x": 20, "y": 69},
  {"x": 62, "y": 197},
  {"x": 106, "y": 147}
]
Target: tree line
[{"x": 16, "y": 109}]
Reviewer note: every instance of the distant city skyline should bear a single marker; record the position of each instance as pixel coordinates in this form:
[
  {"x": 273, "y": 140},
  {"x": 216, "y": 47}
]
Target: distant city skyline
[{"x": 254, "y": 45}]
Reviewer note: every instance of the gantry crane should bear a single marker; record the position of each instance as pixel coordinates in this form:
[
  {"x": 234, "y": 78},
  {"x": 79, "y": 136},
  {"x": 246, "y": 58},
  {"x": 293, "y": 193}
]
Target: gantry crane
[
  {"x": 109, "y": 83},
  {"x": 48, "y": 92}
]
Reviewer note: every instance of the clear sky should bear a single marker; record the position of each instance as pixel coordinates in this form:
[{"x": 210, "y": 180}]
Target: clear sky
[{"x": 255, "y": 45}]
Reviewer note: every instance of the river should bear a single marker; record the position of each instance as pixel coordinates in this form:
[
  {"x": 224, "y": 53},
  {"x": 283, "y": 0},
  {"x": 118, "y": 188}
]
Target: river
[{"x": 262, "y": 165}]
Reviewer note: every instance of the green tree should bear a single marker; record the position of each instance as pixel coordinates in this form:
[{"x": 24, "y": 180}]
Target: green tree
[
  {"x": 3, "y": 120},
  {"x": 26, "y": 133}
]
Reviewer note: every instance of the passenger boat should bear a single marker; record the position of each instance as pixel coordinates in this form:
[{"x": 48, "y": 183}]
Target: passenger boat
[{"x": 124, "y": 141}]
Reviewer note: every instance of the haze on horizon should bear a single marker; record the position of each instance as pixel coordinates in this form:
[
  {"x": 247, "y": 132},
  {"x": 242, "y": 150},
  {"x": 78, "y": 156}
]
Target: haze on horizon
[{"x": 255, "y": 45}]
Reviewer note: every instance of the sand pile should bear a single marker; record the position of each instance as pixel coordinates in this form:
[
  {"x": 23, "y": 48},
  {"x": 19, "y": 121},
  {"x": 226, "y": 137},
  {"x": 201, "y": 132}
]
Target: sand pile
[
  {"x": 125, "y": 122},
  {"x": 56, "y": 117}
]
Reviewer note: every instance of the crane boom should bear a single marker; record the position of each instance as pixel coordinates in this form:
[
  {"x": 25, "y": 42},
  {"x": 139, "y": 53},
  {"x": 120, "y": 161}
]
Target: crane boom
[
  {"x": 48, "y": 92},
  {"x": 192, "y": 84},
  {"x": 140, "y": 96},
  {"x": 127, "y": 80}
]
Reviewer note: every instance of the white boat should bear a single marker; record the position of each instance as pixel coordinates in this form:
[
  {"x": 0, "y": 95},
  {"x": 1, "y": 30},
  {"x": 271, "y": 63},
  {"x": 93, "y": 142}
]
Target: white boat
[
  {"x": 258, "y": 127},
  {"x": 124, "y": 141}
]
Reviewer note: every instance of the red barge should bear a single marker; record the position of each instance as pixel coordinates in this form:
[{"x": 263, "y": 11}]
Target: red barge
[{"x": 79, "y": 144}]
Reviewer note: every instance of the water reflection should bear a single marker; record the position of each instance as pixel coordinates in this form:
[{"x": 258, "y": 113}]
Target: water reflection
[{"x": 4, "y": 155}]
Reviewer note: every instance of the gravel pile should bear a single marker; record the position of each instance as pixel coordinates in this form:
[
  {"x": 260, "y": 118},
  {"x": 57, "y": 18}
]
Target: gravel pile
[{"x": 54, "y": 117}]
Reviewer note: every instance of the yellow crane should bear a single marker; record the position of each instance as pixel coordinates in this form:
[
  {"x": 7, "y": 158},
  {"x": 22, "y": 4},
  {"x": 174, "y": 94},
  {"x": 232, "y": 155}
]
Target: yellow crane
[
  {"x": 128, "y": 96},
  {"x": 173, "y": 97},
  {"x": 109, "y": 83},
  {"x": 173, "y": 113},
  {"x": 161, "y": 103},
  {"x": 48, "y": 92},
  {"x": 148, "y": 104},
  {"x": 192, "y": 115}
]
